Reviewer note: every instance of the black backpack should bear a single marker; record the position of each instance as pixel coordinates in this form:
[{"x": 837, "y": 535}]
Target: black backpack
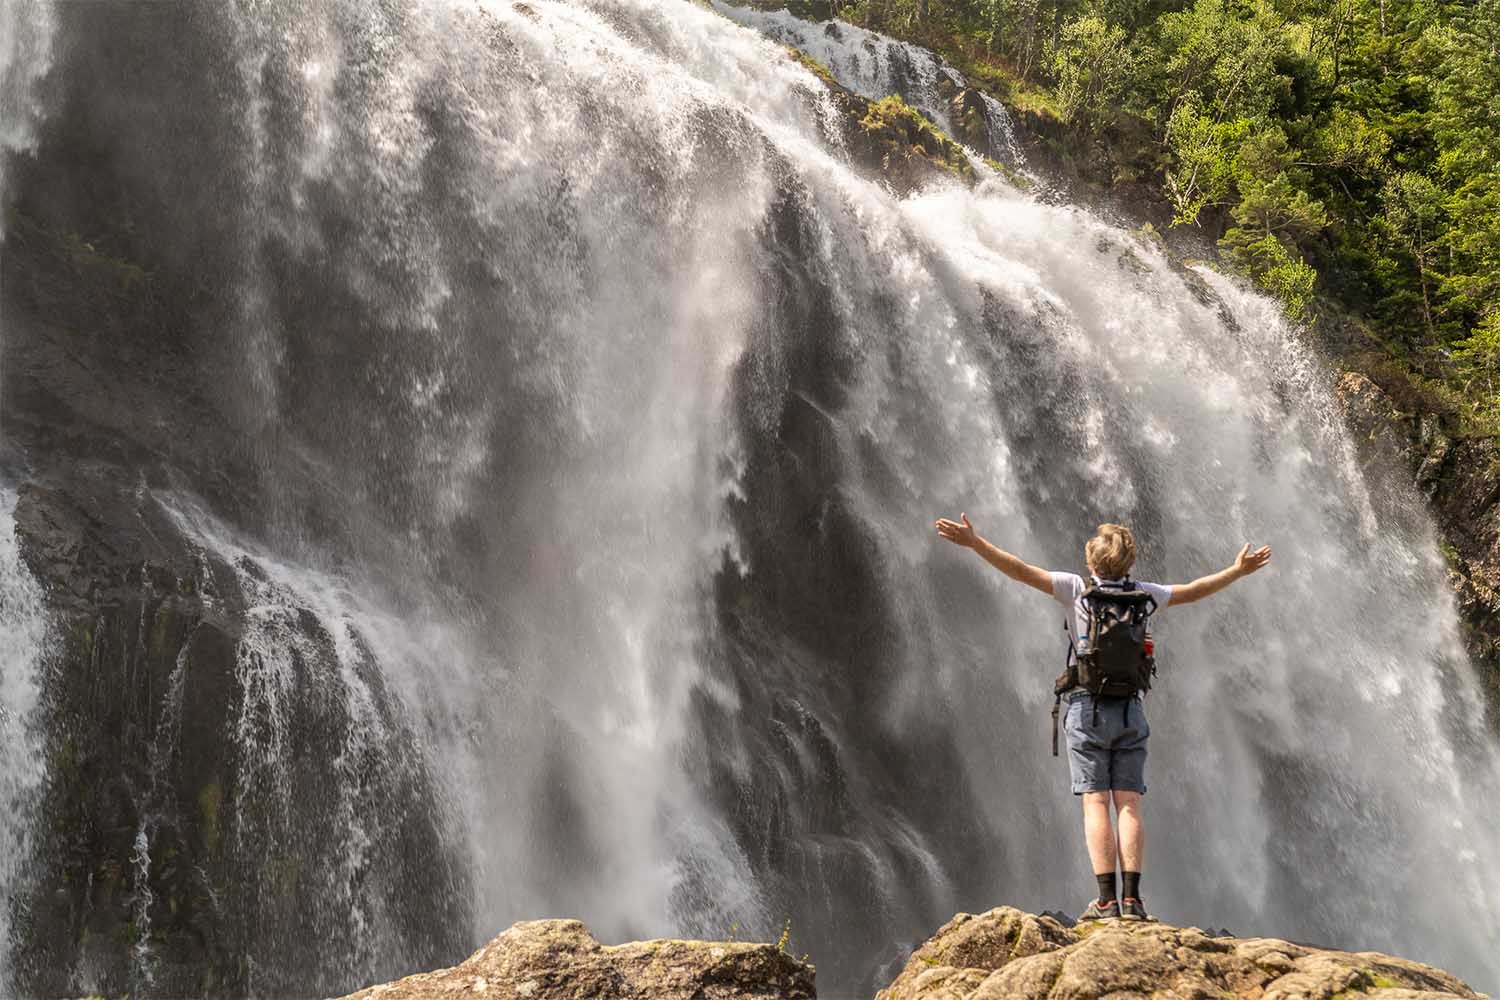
[{"x": 1118, "y": 660}]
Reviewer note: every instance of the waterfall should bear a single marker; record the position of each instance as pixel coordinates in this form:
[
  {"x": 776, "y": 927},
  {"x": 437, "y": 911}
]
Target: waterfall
[
  {"x": 577, "y": 415},
  {"x": 25, "y": 56},
  {"x": 23, "y": 638}
]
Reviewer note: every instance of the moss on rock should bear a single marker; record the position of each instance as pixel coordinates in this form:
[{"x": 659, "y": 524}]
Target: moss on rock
[
  {"x": 902, "y": 127},
  {"x": 819, "y": 70}
]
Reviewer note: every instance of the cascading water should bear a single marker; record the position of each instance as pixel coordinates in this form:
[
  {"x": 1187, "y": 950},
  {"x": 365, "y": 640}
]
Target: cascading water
[
  {"x": 876, "y": 66},
  {"x": 588, "y": 416},
  {"x": 864, "y": 61},
  {"x": 316, "y": 663}
]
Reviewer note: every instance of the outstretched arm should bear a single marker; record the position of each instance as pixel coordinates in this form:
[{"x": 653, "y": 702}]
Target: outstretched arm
[
  {"x": 1012, "y": 566},
  {"x": 1245, "y": 563}
]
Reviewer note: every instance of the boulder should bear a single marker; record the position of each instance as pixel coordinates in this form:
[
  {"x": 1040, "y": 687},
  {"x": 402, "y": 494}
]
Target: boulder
[
  {"x": 543, "y": 959},
  {"x": 1008, "y": 953}
]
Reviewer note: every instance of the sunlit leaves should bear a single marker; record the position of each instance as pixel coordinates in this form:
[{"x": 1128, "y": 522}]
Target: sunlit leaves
[
  {"x": 1093, "y": 68},
  {"x": 1201, "y": 171},
  {"x": 1276, "y": 268},
  {"x": 1356, "y": 138}
]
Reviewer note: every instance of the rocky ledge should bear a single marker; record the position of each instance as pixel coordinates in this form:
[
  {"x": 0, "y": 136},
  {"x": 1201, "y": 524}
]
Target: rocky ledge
[
  {"x": 547, "y": 959},
  {"x": 1008, "y": 953},
  {"x": 1004, "y": 953}
]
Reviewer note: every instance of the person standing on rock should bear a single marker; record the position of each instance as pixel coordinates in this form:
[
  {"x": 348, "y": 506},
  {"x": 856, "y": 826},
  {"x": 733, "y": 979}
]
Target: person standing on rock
[{"x": 1107, "y": 733}]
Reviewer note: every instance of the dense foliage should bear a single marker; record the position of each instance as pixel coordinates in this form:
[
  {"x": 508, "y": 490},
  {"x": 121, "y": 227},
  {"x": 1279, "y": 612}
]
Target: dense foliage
[{"x": 1350, "y": 147}]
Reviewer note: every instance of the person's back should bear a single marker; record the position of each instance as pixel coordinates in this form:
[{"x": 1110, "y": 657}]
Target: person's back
[{"x": 1105, "y": 719}]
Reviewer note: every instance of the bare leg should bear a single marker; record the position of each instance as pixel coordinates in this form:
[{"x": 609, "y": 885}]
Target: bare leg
[
  {"x": 1132, "y": 831},
  {"x": 1098, "y": 832}
]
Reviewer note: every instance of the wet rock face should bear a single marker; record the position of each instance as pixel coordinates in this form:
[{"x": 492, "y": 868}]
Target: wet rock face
[
  {"x": 172, "y": 858},
  {"x": 1460, "y": 477},
  {"x": 970, "y": 119},
  {"x": 560, "y": 958},
  {"x": 1008, "y": 953},
  {"x": 119, "y": 857},
  {"x": 1378, "y": 427}
]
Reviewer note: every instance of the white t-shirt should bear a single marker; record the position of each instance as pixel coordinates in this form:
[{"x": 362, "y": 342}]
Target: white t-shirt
[{"x": 1068, "y": 588}]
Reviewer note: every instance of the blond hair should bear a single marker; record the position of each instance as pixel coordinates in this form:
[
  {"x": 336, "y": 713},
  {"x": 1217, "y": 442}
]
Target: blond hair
[{"x": 1111, "y": 552}]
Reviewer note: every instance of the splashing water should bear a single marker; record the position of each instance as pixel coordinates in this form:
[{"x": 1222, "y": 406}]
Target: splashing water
[{"x": 631, "y": 404}]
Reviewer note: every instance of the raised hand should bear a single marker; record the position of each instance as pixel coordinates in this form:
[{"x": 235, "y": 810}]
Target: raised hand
[
  {"x": 958, "y": 534},
  {"x": 1248, "y": 562}
]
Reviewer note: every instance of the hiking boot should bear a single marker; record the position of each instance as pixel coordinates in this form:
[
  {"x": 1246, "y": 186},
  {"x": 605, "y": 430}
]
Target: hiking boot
[
  {"x": 1100, "y": 911},
  {"x": 1133, "y": 909}
]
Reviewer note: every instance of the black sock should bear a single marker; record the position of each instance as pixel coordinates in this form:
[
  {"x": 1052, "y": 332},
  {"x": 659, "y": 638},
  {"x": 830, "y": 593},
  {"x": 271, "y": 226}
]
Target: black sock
[
  {"x": 1106, "y": 888},
  {"x": 1132, "y": 889}
]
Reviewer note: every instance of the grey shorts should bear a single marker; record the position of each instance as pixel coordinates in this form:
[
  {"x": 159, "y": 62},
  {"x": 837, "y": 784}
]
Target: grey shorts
[{"x": 1109, "y": 753}]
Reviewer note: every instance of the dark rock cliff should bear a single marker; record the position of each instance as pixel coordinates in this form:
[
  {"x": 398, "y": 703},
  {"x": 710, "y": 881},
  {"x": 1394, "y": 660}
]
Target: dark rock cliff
[
  {"x": 153, "y": 824},
  {"x": 1460, "y": 478}
]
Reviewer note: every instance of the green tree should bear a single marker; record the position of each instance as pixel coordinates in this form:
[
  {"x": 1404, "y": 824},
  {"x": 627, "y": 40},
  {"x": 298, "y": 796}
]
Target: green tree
[
  {"x": 1275, "y": 268},
  {"x": 1230, "y": 61},
  {"x": 1016, "y": 25},
  {"x": 1465, "y": 122},
  {"x": 1413, "y": 207},
  {"x": 1478, "y": 358},
  {"x": 1352, "y": 145},
  {"x": 1201, "y": 171},
  {"x": 1273, "y": 216},
  {"x": 1347, "y": 141},
  {"x": 1093, "y": 66}
]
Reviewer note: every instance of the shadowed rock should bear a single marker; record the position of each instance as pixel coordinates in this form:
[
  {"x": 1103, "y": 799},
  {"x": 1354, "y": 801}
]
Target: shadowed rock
[
  {"x": 542, "y": 959},
  {"x": 1008, "y": 953}
]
